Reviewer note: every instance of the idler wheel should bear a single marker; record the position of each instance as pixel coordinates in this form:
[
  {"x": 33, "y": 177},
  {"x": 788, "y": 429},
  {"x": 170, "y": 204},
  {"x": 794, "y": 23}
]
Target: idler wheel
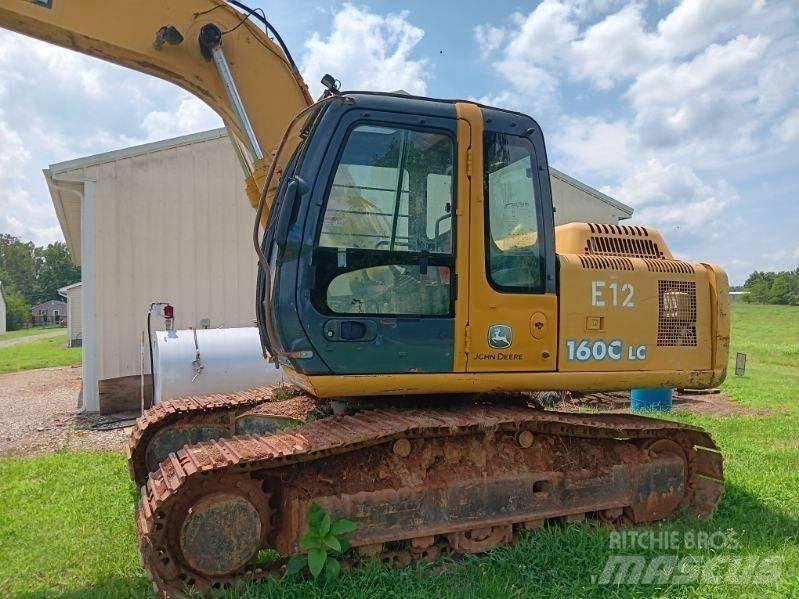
[{"x": 221, "y": 534}]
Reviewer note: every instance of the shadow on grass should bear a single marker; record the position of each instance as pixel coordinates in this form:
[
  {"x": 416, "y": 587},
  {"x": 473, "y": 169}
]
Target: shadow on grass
[{"x": 107, "y": 589}]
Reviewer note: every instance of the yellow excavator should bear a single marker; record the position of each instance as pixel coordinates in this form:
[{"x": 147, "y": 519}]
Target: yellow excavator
[{"x": 410, "y": 269}]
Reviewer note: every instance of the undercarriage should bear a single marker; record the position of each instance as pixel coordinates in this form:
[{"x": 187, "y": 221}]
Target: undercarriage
[{"x": 419, "y": 482}]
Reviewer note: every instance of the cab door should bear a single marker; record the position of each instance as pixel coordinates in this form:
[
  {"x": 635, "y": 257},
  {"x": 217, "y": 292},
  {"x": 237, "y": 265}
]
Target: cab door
[
  {"x": 512, "y": 323},
  {"x": 384, "y": 292}
]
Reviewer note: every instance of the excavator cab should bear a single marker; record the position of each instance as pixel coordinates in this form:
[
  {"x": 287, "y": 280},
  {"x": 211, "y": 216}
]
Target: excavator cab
[{"x": 387, "y": 218}]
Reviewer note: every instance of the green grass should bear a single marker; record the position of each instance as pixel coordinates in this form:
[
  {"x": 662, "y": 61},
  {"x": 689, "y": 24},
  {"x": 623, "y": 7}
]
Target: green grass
[
  {"x": 66, "y": 520},
  {"x": 41, "y": 353},
  {"x": 28, "y": 332}
]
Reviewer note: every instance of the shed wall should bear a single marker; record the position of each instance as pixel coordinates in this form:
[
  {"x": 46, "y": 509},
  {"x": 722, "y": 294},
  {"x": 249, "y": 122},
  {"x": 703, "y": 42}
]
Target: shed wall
[
  {"x": 575, "y": 205},
  {"x": 171, "y": 225},
  {"x": 2, "y": 314},
  {"x": 75, "y": 322}
]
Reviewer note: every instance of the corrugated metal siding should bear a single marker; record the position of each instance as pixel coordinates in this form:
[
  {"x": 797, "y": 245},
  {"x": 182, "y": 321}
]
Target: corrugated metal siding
[
  {"x": 172, "y": 225},
  {"x": 75, "y": 316}
]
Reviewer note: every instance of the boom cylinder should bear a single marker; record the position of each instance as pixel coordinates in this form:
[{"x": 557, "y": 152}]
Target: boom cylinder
[{"x": 211, "y": 45}]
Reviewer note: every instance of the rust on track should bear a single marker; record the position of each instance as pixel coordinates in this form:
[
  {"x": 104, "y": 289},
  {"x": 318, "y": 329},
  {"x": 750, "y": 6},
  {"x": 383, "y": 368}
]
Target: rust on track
[
  {"x": 418, "y": 481},
  {"x": 214, "y": 412}
]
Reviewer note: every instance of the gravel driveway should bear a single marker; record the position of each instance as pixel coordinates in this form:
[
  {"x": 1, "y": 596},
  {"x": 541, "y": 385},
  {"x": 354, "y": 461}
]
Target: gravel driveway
[{"x": 38, "y": 415}]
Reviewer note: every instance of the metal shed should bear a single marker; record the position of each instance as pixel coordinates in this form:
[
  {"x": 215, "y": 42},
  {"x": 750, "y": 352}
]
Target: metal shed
[
  {"x": 163, "y": 221},
  {"x": 73, "y": 294},
  {"x": 2, "y": 310},
  {"x": 170, "y": 221}
]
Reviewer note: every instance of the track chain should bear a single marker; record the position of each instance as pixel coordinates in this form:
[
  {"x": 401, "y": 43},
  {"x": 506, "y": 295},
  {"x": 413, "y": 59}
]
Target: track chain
[
  {"x": 234, "y": 458},
  {"x": 195, "y": 408}
]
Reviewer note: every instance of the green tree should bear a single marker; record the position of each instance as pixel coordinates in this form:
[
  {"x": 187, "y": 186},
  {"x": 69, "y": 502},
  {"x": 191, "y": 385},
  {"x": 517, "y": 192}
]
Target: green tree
[
  {"x": 18, "y": 312},
  {"x": 37, "y": 273},
  {"x": 780, "y": 289},
  {"x": 55, "y": 270},
  {"x": 773, "y": 287},
  {"x": 19, "y": 266}
]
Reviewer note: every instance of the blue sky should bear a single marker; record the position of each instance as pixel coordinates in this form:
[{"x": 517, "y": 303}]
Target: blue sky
[{"x": 687, "y": 110}]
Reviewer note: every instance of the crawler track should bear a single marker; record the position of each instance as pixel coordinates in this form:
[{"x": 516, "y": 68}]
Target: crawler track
[
  {"x": 172, "y": 424},
  {"x": 417, "y": 481}
]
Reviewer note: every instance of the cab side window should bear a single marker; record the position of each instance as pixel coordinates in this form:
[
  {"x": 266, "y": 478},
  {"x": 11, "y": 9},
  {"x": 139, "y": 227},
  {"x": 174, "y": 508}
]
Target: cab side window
[
  {"x": 514, "y": 261},
  {"x": 386, "y": 242}
]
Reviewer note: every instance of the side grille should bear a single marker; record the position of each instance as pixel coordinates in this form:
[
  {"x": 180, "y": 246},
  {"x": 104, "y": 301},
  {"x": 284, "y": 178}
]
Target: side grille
[
  {"x": 676, "y": 314},
  {"x": 606, "y": 263},
  {"x": 675, "y": 266}
]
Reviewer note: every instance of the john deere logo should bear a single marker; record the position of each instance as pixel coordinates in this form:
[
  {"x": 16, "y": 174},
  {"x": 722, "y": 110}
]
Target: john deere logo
[{"x": 500, "y": 336}]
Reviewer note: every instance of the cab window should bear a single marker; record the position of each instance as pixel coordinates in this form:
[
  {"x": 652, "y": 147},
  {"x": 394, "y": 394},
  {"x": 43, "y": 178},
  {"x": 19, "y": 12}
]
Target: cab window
[
  {"x": 386, "y": 241},
  {"x": 514, "y": 260}
]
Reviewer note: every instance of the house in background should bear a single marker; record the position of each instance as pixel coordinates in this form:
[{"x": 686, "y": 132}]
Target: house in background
[
  {"x": 53, "y": 312},
  {"x": 72, "y": 293},
  {"x": 2, "y": 309},
  {"x": 170, "y": 221}
]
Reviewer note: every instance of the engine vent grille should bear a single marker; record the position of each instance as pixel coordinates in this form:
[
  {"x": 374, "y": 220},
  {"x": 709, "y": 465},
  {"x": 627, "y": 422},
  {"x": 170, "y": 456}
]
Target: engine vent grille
[
  {"x": 632, "y": 247},
  {"x": 676, "y": 314},
  {"x": 675, "y": 266},
  {"x": 606, "y": 262},
  {"x": 631, "y": 230}
]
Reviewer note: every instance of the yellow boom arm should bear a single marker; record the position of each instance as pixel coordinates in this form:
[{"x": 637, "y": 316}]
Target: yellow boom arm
[{"x": 161, "y": 38}]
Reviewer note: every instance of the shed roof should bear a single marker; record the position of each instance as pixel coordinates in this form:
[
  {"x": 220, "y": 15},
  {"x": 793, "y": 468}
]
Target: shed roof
[
  {"x": 48, "y": 304},
  {"x": 63, "y": 290},
  {"x": 628, "y": 210}
]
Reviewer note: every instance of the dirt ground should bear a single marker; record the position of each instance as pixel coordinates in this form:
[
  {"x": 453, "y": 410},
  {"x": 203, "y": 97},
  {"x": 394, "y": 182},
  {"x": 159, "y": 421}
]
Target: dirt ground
[
  {"x": 707, "y": 404},
  {"x": 38, "y": 412},
  {"x": 38, "y": 415}
]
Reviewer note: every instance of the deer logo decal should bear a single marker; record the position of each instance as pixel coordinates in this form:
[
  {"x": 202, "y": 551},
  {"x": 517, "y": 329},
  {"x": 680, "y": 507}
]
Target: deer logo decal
[{"x": 500, "y": 336}]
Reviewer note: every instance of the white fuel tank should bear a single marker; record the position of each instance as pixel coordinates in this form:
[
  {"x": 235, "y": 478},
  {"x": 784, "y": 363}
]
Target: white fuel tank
[{"x": 230, "y": 360}]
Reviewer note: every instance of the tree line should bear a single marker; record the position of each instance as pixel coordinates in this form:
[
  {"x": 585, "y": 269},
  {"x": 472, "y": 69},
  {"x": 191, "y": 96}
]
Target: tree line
[
  {"x": 31, "y": 275},
  {"x": 773, "y": 288}
]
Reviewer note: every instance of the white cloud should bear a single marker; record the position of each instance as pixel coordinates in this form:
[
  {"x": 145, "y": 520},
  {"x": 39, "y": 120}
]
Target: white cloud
[
  {"x": 543, "y": 36},
  {"x": 698, "y": 98},
  {"x": 694, "y": 23},
  {"x": 618, "y": 47},
  {"x": 489, "y": 38},
  {"x": 788, "y": 130},
  {"x": 190, "y": 116},
  {"x": 592, "y": 145},
  {"x": 15, "y": 205},
  {"x": 367, "y": 51},
  {"x": 672, "y": 196}
]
